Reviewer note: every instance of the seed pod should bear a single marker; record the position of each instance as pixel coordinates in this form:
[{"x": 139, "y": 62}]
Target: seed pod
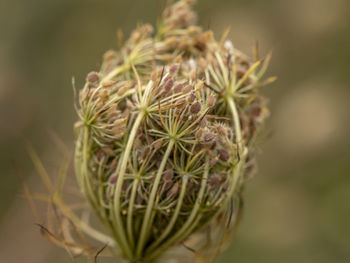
[
  {"x": 108, "y": 151},
  {"x": 191, "y": 97},
  {"x": 122, "y": 90},
  {"x": 240, "y": 73},
  {"x": 208, "y": 136},
  {"x": 181, "y": 103},
  {"x": 224, "y": 155},
  {"x": 194, "y": 30},
  {"x": 119, "y": 122},
  {"x": 92, "y": 77},
  {"x": 113, "y": 179},
  {"x": 213, "y": 161},
  {"x": 183, "y": 44},
  {"x": 203, "y": 63},
  {"x": 168, "y": 85},
  {"x": 195, "y": 108},
  {"x": 174, "y": 68},
  {"x": 149, "y": 139},
  {"x": 119, "y": 135},
  {"x": 113, "y": 165},
  {"x": 214, "y": 182},
  {"x": 174, "y": 190},
  {"x": 168, "y": 175},
  {"x": 104, "y": 96},
  {"x": 171, "y": 42},
  {"x": 167, "y": 185},
  {"x": 108, "y": 83},
  {"x": 187, "y": 89},
  {"x": 144, "y": 152},
  {"x": 178, "y": 88},
  {"x": 211, "y": 100},
  {"x": 221, "y": 130},
  {"x": 199, "y": 133},
  {"x": 203, "y": 123}
]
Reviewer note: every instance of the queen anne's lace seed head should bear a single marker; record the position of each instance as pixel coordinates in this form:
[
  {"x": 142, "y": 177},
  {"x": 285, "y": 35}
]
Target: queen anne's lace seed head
[{"x": 166, "y": 134}]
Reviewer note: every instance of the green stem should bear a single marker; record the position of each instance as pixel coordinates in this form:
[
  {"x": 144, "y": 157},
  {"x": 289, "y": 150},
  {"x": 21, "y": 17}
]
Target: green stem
[
  {"x": 146, "y": 221},
  {"x": 85, "y": 173},
  {"x": 117, "y": 210},
  {"x": 87, "y": 186},
  {"x": 130, "y": 212},
  {"x": 78, "y": 156},
  {"x": 174, "y": 216},
  {"x": 237, "y": 125},
  {"x": 190, "y": 220},
  {"x": 236, "y": 121}
]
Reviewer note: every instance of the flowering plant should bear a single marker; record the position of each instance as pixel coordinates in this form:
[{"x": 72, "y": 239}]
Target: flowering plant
[{"x": 165, "y": 140}]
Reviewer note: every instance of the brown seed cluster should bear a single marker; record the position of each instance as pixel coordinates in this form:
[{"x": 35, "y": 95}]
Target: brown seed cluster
[{"x": 166, "y": 133}]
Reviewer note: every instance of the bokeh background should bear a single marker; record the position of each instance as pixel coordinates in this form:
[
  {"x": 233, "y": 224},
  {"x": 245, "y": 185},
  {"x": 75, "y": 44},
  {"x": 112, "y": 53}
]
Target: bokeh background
[{"x": 297, "y": 208}]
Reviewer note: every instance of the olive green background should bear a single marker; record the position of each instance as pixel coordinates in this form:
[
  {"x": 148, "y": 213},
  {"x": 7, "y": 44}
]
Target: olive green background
[{"x": 296, "y": 208}]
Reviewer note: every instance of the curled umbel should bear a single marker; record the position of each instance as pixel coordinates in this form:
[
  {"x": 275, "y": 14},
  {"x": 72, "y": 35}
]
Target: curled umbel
[{"x": 165, "y": 138}]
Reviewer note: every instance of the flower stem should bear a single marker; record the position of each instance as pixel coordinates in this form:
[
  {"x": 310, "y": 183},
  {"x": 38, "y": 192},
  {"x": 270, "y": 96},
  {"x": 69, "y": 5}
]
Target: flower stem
[
  {"x": 147, "y": 218},
  {"x": 191, "y": 221},
  {"x": 236, "y": 121},
  {"x": 124, "y": 161},
  {"x": 175, "y": 215},
  {"x": 130, "y": 212}
]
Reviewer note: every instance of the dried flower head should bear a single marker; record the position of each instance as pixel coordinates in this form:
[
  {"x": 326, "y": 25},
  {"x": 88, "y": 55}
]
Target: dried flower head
[{"x": 165, "y": 138}]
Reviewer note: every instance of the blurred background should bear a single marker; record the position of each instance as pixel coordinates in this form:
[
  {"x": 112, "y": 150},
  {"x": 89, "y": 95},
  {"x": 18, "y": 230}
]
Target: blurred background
[{"x": 296, "y": 208}]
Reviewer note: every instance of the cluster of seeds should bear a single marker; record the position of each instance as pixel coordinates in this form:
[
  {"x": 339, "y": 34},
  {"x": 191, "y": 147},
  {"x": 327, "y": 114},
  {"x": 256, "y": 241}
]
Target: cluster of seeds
[{"x": 166, "y": 133}]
